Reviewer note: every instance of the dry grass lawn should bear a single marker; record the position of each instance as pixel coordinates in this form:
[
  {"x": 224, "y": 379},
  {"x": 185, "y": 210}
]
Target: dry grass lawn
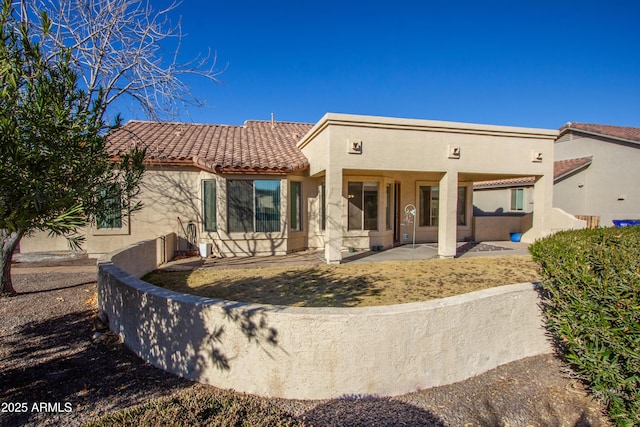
[{"x": 352, "y": 285}]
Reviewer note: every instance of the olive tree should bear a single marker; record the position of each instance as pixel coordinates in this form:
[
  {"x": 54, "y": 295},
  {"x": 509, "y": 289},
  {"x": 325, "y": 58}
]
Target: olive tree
[{"x": 56, "y": 173}]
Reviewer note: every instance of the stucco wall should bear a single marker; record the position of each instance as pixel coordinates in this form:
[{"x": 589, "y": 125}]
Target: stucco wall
[
  {"x": 565, "y": 221},
  {"x": 444, "y": 153},
  {"x": 40, "y": 241},
  {"x": 498, "y": 200},
  {"x": 315, "y": 353},
  {"x": 496, "y": 228},
  {"x": 607, "y": 187}
]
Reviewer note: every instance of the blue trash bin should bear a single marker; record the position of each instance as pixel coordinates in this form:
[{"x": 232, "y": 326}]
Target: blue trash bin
[
  {"x": 626, "y": 222},
  {"x": 515, "y": 237}
]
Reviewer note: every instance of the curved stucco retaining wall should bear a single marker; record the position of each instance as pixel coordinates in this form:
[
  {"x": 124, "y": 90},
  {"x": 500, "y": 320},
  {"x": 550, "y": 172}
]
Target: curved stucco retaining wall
[{"x": 315, "y": 353}]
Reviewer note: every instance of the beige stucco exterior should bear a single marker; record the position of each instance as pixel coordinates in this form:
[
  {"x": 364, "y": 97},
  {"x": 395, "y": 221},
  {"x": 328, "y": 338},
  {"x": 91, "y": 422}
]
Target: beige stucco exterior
[
  {"x": 608, "y": 187},
  {"x": 316, "y": 352},
  {"x": 395, "y": 156},
  {"x": 497, "y": 201},
  {"x": 408, "y": 153}
]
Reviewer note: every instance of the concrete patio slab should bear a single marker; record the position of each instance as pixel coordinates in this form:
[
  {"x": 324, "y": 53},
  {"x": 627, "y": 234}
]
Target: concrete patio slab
[{"x": 421, "y": 251}]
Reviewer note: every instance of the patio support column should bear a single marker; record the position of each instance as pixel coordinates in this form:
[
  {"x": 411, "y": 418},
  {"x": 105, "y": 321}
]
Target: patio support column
[
  {"x": 448, "y": 220},
  {"x": 334, "y": 212},
  {"x": 542, "y": 209}
]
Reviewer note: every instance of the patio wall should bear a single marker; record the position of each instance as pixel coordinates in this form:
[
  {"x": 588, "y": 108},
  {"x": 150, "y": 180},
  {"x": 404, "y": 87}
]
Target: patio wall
[
  {"x": 499, "y": 228},
  {"x": 316, "y": 353}
]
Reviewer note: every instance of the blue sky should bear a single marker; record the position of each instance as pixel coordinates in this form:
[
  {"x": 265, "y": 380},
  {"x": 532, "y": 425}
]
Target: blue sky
[{"x": 521, "y": 63}]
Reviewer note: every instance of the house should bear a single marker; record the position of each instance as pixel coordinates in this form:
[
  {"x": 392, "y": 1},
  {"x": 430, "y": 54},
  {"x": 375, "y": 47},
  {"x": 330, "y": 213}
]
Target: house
[
  {"x": 505, "y": 206},
  {"x": 607, "y": 186},
  {"x": 595, "y": 175},
  {"x": 347, "y": 181}
]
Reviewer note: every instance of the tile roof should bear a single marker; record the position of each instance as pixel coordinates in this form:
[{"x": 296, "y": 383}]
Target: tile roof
[
  {"x": 618, "y": 132},
  {"x": 256, "y": 147},
  {"x": 561, "y": 168}
]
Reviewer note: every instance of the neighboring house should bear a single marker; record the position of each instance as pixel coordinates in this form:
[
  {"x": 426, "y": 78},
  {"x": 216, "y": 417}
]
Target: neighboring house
[
  {"x": 607, "y": 187},
  {"x": 595, "y": 178},
  {"x": 346, "y": 182},
  {"x": 516, "y": 196},
  {"x": 505, "y": 206}
]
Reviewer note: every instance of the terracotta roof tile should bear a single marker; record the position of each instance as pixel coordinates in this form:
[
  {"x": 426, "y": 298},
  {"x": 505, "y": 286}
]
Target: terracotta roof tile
[
  {"x": 561, "y": 168},
  {"x": 620, "y": 132},
  {"x": 258, "y": 146}
]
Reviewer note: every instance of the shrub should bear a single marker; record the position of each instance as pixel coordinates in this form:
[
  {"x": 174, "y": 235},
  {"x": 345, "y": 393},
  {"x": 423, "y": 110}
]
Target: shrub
[
  {"x": 591, "y": 298},
  {"x": 202, "y": 406}
]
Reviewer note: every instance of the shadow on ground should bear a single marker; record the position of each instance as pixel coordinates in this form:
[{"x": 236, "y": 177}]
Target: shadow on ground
[
  {"x": 370, "y": 411},
  {"x": 310, "y": 287},
  {"x": 47, "y": 356}
]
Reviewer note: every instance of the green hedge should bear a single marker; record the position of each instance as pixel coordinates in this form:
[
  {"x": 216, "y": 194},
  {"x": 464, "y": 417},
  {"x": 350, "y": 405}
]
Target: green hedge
[{"x": 591, "y": 297}]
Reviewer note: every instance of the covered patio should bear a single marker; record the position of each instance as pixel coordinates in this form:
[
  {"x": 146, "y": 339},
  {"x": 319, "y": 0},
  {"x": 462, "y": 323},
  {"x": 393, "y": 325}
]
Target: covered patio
[{"x": 384, "y": 177}]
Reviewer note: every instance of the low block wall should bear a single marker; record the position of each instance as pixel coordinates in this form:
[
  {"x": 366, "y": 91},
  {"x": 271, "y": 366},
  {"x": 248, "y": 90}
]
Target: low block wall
[
  {"x": 317, "y": 353},
  {"x": 498, "y": 228}
]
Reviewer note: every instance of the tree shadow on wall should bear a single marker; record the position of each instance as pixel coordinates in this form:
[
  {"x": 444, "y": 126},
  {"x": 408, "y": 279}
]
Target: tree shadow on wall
[
  {"x": 309, "y": 287},
  {"x": 186, "y": 334},
  {"x": 370, "y": 411},
  {"x": 174, "y": 193},
  {"x": 172, "y": 196}
]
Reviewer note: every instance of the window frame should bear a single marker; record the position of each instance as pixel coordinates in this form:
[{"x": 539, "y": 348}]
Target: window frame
[
  {"x": 434, "y": 211},
  {"x": 113, "y": 216},
  {"x": 295, "y": 206},
  {"x": 514, "y": 200},
  {"x": 359, "y": 207},
  {"x": 258, "y": 225},
  {"x": 210, "y": 216},
  {"x": 462, "y": 216},
  {"x": 323, "y": 206},
  {"x": 388, "y": 207}
]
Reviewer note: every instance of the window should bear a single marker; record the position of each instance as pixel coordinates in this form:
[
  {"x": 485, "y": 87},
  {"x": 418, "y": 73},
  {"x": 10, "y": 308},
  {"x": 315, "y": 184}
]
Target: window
[
  {"x": 323, "y": 209},
  {"x": 295, "y": 206},
  {"x": 517, "y": 199},
  {"x": 429, "y": 201},
  {"x": 363, "y": 206},
  {"x": 429, "y": 206},
  {"x": 253, "y": 205},
  {"x": 111, "y": 215},
  {"x": 209, "y": 205},
  {"x": 462, "y": 206},
  {"x": 388, "y": 210}
]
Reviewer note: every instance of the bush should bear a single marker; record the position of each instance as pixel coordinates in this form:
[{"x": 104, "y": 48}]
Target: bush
[
  {"x": 591, "y": 299},
  {"x": 202, "y": 406}
]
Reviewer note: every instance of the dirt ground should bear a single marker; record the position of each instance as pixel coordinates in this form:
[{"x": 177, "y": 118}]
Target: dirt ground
[
  {"x": 351, "y": 285},
  {"x": 47, "y": 355}
]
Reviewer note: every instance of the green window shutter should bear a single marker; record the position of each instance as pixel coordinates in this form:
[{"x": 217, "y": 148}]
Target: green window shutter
[
  {"x": 209, "y": 202},
  {"x": 111, "y": 215},
  {"x": 295, "y": 206}
]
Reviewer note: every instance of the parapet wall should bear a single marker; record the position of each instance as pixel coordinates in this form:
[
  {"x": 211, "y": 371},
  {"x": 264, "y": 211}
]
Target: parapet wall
[{"x": 317, "y": 353}]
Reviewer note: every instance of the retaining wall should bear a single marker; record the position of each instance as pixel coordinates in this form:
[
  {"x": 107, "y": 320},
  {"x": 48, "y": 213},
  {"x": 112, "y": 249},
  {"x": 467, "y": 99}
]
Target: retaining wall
[{"x": 317, "y": 353}]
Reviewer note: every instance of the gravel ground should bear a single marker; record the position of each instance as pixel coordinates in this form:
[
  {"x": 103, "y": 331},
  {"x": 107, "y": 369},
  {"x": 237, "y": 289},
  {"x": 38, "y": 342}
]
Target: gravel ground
[{"x": 52, "y": 373}]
